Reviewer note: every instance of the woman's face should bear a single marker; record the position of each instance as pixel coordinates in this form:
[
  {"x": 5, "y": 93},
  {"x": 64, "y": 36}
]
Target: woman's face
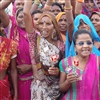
[
  {"x": 84, "y": 26},
  {"x": 46, "y": 27},
  {"x": 55, "y": 10},
  {"x": 19, "y": 4},
  {"x": 20, "y": 20},
  {"x": 35, "y": 20},
  {"x": 96, "y": 21},
  {"x": 62, "y": 23},
  {"x": 83, "y": 45},
  {"x": 89, "y": 4}
]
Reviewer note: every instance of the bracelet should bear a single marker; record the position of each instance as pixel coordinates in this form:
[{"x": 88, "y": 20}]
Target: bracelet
[
  {"x": 81, "y": 1},
  {"x": 68, "y": 8},
  {"x": 47, "y": 7}
]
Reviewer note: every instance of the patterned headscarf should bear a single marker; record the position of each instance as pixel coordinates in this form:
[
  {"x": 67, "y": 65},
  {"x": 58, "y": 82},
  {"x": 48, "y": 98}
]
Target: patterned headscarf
[{"x": 52, "y": 17}]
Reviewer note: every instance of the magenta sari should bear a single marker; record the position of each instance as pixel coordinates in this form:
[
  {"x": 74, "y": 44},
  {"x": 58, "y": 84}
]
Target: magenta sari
[
  {"x": 23, "y": 57},
  {"x": 88, "y": 87}
]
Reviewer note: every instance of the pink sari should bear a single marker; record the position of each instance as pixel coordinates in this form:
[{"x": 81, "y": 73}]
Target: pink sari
[
  {"x": 88, "y": 87},
  {"x": 23, "y": 57}
]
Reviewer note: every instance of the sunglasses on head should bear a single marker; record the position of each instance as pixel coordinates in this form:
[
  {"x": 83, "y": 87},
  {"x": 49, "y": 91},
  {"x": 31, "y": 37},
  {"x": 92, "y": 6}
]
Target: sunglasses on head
[{"x": 81, "y": 43}]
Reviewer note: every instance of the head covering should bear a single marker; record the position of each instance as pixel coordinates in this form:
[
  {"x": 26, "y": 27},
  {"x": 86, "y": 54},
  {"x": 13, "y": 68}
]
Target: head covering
[
  {"x": 52, "y": 17},
  {"x": 70, "y": 51},
  {"x": 86, "y": 11},
  {"x": 14, "y": 8},
  {"x": 59, "y": 16}
]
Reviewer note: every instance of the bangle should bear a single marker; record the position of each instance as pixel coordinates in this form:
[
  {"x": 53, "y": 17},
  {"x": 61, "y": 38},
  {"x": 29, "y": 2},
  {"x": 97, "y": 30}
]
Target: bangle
[
  {"x": 47, "y": 7},
  {"x": 68, "y": 8},
  {"x": 81, "y": 1}
]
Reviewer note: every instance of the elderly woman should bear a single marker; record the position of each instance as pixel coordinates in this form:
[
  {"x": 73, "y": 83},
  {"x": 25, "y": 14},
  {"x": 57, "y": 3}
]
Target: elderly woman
[
  {"x": 76, "y": 71},
  {"x": 45, "y": 62}
]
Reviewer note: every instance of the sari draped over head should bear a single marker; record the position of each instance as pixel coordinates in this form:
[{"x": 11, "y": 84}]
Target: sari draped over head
[
  {"x": 14, "y": 8},
  {"x": 52, "y": 17},
  {"x": 88, "y": 87},
  {"x": 58, "y": 18},
  {"x": 23, "y": 57},
  {"x": 47, "y": 88},
  {"x": 86, "y": 11},
  {"x": 70, "y": 51}
]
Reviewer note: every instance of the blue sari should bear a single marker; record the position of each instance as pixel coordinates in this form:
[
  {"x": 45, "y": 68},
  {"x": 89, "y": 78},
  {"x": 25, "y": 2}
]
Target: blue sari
[{"x": 69, "y": 50}]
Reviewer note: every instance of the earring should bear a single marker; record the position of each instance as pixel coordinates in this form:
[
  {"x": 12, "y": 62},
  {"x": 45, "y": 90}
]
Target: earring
[{"x": 54, "y": 36}]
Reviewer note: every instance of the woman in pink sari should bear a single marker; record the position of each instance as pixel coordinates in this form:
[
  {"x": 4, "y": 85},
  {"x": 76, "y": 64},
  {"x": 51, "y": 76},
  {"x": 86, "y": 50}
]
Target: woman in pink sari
[
  {"x": 17, "y": 32},
  {"x": 80, "y": 74}
]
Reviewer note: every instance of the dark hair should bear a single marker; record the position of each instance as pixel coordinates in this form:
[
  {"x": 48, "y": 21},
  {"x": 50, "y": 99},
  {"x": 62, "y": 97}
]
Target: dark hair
[
  {"x": 36, "y": 11},
  {"x": 79, "y": 32},
  {"x": 98, "y": 2},
  {"x": 57, "y": 4},
  {"x": 18, "y": 11}
]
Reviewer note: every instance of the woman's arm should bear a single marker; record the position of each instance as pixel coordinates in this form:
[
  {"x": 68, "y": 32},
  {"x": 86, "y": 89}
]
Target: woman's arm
[
  {"x": 73, "y": 3},
  {"x": 78, "y": 8},
  {"x": 24, "y": 68},
  {"x": 4, "y": 18},
  {"x": 47, "y": 6},
  {"x": 66, "y": 81},
  {"x": 27, "y": 16},
  {"x": 70, "y": 19},
  {"x": 14, "y": 77},
  {"x": 35, "y": 5},
  {"x": 4, "y": 3}
]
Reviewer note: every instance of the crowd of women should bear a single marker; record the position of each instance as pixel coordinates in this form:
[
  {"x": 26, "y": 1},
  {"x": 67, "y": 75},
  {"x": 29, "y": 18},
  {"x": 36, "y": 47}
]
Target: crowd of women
[{"x": 50, "y": 50}]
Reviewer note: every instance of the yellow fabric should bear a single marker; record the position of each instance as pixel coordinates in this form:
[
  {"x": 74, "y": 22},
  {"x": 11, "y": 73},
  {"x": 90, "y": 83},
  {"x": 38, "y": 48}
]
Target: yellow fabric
[
  {"x": 59, "y": 16},
  {"x": 63, "y": 37}
]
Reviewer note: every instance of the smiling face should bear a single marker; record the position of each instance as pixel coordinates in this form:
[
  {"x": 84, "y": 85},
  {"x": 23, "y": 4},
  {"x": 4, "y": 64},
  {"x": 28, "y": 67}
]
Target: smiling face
[
  {"x": 46, "y": 27},
  {"x": 83, "y": 45},
  {"x": 89, "y": 4},
  {"x": 95, "y": 18},
  {"x": 20, "y": 19},
  {"x": 62, "y": 23}
]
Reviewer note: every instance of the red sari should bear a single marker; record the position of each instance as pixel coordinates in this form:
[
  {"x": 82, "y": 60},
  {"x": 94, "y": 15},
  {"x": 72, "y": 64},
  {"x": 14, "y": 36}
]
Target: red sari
[{"x": 8, "y": 50}]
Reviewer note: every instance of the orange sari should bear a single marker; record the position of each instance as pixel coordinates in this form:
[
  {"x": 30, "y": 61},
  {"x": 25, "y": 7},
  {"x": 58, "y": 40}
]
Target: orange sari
[{"x": 8, "y": 49}]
